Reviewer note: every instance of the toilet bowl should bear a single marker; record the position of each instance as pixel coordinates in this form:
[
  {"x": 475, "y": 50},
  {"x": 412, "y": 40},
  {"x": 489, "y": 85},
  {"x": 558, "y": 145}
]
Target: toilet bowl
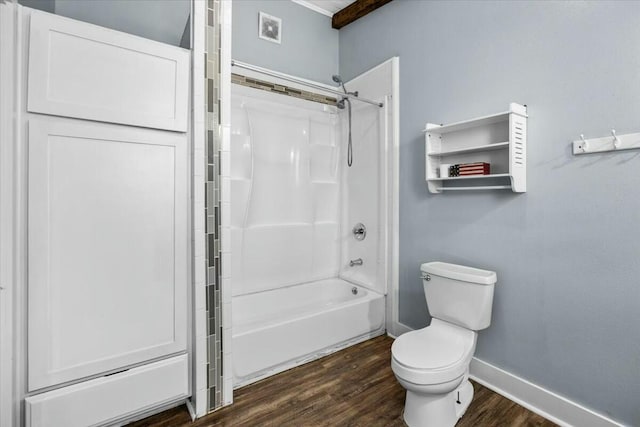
[{"x": 432, "y": 363}]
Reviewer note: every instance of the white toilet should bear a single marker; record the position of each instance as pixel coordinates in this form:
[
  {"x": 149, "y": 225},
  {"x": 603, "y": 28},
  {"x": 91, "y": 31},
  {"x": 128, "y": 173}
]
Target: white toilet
[{"x": 433, "y": 363}]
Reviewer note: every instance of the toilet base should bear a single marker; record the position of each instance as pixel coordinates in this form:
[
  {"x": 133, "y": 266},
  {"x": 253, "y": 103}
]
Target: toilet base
[
  {"x": 429, "y": 410},
  {"x": 466, "y": 396}
]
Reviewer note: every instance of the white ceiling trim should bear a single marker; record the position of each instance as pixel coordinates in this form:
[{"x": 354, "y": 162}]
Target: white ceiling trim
[{"x": 313, "y": 7}]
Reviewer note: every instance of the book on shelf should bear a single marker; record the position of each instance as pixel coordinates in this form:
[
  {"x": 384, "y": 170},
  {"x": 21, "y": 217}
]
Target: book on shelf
[{"x": 467, "y": 169}]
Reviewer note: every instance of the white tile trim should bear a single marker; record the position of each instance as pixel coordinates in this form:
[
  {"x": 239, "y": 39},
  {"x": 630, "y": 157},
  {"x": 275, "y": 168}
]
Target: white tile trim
[
  {"x": 225, "y": 220},
  {"x": 198, "y": 402},
  {"x": 314, "y": 7},
  {"x": 394, "y": 282},
  {"x": 546, "y": 403}
]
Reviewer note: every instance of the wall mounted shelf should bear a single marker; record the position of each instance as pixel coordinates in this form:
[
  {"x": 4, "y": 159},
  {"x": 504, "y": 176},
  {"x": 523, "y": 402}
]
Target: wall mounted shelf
[
  {"x": 488, "y": 147},
  {"x": 476, "y": 188},
  {"x": 457, "y": 178},
  {"x": 498, "y": 139}
]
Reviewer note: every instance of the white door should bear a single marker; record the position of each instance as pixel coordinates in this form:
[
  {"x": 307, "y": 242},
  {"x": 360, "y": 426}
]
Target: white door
[{"x": 107, "y": 247}]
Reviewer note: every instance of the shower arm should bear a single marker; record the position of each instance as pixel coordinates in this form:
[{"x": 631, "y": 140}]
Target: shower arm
[{"x": 261, "y": 70}]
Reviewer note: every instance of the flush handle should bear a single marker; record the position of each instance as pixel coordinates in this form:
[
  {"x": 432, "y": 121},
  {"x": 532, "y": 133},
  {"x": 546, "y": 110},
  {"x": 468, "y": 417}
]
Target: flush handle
[{"x": 425, "y": 276}]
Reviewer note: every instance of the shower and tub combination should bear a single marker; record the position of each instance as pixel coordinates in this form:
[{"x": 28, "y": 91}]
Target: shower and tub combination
[{"x": 310, "y": 215}]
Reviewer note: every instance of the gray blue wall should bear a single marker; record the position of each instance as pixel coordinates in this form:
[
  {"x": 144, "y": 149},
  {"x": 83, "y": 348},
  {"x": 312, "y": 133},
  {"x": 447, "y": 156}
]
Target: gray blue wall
[
  {"x": 46, "y": 5},
  {"x": 567, "y": 306},
  {"x": 309, "y": 46},
  {"x": 163, "y": 21}
]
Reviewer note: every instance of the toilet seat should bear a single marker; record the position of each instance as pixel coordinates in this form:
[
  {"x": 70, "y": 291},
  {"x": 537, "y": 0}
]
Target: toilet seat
[{"x": 436, "y": 354}]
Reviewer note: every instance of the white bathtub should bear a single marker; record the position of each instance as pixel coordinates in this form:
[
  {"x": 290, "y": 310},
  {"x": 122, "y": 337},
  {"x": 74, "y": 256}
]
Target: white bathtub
[{"x": 276, "y": 330}]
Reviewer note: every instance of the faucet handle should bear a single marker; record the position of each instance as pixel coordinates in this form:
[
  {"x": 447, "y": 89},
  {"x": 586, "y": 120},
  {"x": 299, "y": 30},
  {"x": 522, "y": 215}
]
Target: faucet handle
[{"x": 359, "y": 231}]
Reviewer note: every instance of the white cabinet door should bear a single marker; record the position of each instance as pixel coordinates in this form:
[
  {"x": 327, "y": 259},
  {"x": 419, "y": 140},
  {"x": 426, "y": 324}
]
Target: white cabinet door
[
  {"x": 108, "y": 237},
  {"x": 89, "y": 72}
]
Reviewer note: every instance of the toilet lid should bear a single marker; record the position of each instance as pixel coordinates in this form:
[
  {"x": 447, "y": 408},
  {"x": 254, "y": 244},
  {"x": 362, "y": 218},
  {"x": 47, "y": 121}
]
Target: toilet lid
[{"x": 433, "y": 347}]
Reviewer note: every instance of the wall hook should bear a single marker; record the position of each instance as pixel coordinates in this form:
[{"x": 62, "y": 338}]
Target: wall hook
[
  {"x": 616, "y": 141},
  {"x": 584, "y": 143}
]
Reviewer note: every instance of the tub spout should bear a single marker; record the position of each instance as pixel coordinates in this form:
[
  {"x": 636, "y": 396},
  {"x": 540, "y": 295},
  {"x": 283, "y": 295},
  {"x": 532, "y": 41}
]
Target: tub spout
[{"x": 355, "y": 262}]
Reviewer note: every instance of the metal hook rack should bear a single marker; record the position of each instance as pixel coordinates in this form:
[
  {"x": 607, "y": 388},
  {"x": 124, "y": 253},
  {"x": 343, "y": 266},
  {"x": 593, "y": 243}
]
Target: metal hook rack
[{"x": 614, "y": 142}]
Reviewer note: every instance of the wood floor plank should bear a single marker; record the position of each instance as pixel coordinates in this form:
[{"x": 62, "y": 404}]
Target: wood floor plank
[{"x": 354, "y": 387}]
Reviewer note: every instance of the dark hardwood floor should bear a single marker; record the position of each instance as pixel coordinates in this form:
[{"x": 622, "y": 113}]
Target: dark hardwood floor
[{"x": 353, "y": 387}]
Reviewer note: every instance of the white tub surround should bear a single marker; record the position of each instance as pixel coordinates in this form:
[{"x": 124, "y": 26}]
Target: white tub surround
[
  {"x": 362, "y": 200},
  {"x": 281, "y": 328},
  {"x": 294, "y": 205},
  {"x": 285, "y": 187},
  {"x": 371, "y": 189}
]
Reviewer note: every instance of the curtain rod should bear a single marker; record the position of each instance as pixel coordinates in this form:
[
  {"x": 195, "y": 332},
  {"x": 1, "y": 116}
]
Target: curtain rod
[{"x": 246, "y": 66}]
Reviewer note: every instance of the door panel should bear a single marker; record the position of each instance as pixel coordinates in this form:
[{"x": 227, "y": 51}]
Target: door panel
[
  {"x": 107, "y": 248},
  {"x": 82, "y": 405},
  {"x": 86, "y": 71}
]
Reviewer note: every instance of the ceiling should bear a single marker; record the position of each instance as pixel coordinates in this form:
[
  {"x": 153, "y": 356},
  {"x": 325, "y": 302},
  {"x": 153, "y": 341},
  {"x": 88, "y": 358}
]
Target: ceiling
[{"x": 326, "y": 7}]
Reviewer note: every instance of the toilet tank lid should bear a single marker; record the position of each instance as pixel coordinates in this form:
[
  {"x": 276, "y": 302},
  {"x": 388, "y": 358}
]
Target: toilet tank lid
[{"x": 459, "y": 272}]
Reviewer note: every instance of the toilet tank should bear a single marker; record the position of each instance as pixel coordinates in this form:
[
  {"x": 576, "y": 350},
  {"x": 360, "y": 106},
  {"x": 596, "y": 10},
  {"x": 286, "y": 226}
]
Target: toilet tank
[{"x": 458, "y": 294}]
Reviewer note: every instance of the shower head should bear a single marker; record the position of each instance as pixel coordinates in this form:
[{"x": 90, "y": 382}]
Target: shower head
[{"x": 336, "y": 78}]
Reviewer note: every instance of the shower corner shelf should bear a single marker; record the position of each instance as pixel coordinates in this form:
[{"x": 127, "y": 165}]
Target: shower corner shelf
[{"x": 499, "y": 139}]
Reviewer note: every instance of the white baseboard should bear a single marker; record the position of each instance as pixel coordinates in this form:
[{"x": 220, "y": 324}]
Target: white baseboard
[
  {"x": 543, "y": 402},
  {"x": 398, "y": 329}
]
